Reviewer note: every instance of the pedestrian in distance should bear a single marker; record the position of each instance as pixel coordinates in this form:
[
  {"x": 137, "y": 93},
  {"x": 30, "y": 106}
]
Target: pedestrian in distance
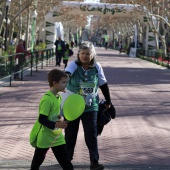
[
  {"x": 86, "y": 75},
  {"x": 20, "y": 58},
  {"x": 67, "y": 53},
  {"x": 168, "y": 48},
  {"x": 106, "y": 41},
  {"x": 117, "y": 45},
  {"x": 72, "y": 44},
  {"x": 60, "y": 47},
  {"x": 51, "y": 123},
  {"x": 120, "y": 47}
]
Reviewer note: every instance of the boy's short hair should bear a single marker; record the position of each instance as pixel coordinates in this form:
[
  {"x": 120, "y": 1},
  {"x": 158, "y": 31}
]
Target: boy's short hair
[
  {"x": 55, "y": 75},
  {"x": 67, "y": 46}
]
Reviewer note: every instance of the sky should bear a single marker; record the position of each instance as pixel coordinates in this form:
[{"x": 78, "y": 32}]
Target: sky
[{"x": 89, "y": 18}]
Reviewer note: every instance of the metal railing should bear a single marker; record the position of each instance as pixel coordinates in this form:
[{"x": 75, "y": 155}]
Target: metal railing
[
  {"x": 20, "y": 63},
  {"x": 154, "y": 56}
]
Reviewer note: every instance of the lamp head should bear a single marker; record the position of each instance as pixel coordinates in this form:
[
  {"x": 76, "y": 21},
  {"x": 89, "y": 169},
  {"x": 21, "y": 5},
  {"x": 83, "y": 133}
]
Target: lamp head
[
  {"x": 34, "y": 14},
  {"x": 8, "y": 2}
]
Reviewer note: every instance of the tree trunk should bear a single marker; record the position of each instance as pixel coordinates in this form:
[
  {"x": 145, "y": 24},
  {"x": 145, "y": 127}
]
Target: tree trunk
[
  {"x": 3, "y": 15},
  {"x": 27, "y": 28},
  {"x": 11, "y": 31},
  {"x": 164, "y": 45}
]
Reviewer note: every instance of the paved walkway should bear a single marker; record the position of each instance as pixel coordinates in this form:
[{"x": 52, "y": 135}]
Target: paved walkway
[{"x": 138, "y": 139}]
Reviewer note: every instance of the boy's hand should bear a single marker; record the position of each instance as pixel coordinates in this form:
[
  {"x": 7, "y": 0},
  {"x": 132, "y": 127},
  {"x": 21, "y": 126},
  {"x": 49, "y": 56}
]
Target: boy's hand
[
  {"x": 61, "y": 118},
  {"x": 61, "y": 124}
]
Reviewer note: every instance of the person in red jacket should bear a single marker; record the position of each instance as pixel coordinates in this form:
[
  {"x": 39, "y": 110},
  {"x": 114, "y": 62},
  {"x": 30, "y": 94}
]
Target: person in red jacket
[{"x": 19, "y": 58}]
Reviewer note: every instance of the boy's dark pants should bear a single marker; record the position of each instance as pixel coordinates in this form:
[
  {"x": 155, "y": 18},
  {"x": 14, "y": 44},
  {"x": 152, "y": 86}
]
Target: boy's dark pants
[
  {"x": 60, "y": 153},
  {"x": 65, "y": 63}
]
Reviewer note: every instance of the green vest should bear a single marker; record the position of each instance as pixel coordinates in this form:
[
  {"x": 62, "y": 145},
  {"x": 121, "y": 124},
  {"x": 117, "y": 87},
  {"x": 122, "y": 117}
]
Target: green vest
[
  {"x": 84, "y": 84},
  {"x": 66, "y": 55}
]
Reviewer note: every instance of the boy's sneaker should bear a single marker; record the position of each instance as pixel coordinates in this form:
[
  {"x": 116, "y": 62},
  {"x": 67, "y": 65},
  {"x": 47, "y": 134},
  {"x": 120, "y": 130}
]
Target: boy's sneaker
[{"x": 96, "y": 166}]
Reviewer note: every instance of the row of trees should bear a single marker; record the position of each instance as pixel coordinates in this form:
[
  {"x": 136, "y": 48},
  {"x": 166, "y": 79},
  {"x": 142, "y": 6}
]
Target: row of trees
[
  {"x": 13, "y": 18},
  {"x": 157, "y": 13},
  {"x": 20, "y": 16}
]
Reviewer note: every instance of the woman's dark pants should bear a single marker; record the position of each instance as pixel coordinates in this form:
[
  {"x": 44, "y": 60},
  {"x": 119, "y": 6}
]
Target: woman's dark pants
[{"x": 89, "y": 122}]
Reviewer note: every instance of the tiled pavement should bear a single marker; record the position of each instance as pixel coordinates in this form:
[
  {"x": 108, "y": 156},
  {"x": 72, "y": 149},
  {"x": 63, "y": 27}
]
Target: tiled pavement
[{"x": 138, "y": 139}]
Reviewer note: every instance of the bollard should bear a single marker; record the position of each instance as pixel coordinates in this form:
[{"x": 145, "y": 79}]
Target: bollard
[
  {"x": 10, "y": 72},
  {"x": 22, "y": 63}
]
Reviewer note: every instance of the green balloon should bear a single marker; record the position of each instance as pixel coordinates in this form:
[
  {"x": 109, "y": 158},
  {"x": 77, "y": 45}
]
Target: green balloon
[{"x": 73, "y": 107}]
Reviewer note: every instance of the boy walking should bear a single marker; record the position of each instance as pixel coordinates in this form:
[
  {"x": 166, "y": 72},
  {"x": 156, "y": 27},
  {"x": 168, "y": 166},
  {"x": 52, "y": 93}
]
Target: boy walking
[
  {"x": 67, "y": 53},
  {"x": 50, "y": 134}
]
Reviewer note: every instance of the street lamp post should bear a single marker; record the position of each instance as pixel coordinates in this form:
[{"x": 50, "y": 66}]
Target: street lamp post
[
  {"x": 33, "y": 29},
  {"x": 34, "y": 16},
  {"x": 6, "y": 26}
]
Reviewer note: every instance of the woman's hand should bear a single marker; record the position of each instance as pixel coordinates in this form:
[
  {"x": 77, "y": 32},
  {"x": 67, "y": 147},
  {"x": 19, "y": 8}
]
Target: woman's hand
[{"x": 107, "y": 106}]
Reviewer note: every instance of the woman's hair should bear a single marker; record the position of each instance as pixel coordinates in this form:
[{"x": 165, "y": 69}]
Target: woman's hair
[
  {"x": 55, "y": 75},
  {"x": 83, "y": 46}
]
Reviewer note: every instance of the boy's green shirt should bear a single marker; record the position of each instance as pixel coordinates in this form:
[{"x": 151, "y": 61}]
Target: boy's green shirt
[{"x": 49, "y": 106}]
